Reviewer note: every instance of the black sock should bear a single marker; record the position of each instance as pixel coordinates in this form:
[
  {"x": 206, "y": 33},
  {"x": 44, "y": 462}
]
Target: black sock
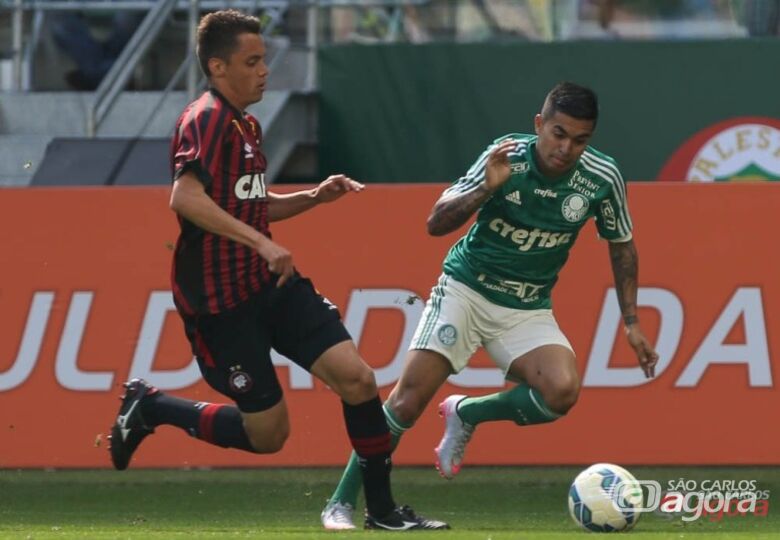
[
  {"x": 211, "y": 422},
  {"x": 370, "y": 438}
]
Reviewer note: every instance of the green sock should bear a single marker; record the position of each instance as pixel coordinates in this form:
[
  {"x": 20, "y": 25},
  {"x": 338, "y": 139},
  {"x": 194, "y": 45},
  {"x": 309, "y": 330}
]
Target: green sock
[
  {"x": 352, "y": 479},
  {"x": 522, "y": 404}
]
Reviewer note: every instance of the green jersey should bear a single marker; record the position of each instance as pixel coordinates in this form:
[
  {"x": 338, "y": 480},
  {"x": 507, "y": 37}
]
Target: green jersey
[{"x": 513, "y": 253}]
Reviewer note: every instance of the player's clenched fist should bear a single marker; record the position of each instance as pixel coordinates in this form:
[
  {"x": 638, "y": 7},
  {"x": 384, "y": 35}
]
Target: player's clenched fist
[{"x": 279, "y": 259}]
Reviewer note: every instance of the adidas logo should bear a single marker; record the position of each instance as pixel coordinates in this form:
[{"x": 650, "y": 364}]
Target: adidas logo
[{"x": 514, "y": 197}]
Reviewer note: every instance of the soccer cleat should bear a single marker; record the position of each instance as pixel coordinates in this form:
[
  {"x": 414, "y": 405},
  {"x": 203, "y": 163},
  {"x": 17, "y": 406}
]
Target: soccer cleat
[
  {"x": 403, "y": 518},
  {"x": 130, "y": 429},
  {"x": 337, "y": 516},
  {"x": 457, "y": 433}
]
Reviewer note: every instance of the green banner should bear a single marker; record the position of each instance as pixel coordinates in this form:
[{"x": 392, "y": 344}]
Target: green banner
[{"x": 422, "y": 113}]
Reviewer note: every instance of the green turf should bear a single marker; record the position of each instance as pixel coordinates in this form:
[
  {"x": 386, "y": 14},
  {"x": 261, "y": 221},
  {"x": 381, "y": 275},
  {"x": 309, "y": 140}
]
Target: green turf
[{"x": 482, "y": 503}]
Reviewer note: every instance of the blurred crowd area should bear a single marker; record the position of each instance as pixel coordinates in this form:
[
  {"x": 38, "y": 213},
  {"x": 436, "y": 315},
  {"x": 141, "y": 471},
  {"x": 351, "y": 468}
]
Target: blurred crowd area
[
  {"x": 71, "y": 48},
  {"x": 552, "y": 20},
  {"x": 422, "y": 21}
]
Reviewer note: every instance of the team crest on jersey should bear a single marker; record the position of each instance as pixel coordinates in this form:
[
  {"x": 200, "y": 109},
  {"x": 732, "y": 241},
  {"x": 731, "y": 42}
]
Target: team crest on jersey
[
  {"x": 574, "y": 207},
  {"x": 240, "y": 382},
  {"x": 448, "y": 335},
  {"x": 248, "y": 153}
]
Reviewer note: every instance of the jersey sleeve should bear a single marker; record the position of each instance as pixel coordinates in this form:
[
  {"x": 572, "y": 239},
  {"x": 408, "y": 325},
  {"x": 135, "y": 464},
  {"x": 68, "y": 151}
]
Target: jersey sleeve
[
  {"x": 476, "y": 173},
  {"x": 612, "y": 217},
  {"x": 191, "y": 148}
]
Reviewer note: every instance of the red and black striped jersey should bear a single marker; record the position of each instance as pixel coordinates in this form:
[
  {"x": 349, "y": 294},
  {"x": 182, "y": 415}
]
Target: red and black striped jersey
[{"x": 220, "y": 145}]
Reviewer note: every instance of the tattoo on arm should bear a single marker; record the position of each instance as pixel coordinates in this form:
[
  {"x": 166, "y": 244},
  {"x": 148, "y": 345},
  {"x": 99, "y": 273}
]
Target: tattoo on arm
[
  {"x": 451, "y": 212},
  {"x": 625, "y": 264}
]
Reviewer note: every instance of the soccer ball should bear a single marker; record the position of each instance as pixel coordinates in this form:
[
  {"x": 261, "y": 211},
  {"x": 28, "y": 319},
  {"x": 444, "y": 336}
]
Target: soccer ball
[{"x": 605, "y": 498}]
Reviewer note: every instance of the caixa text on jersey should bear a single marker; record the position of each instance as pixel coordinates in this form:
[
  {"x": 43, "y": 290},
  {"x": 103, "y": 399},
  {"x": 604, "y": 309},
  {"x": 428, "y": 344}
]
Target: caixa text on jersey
[{"x": 250, "y": 186}]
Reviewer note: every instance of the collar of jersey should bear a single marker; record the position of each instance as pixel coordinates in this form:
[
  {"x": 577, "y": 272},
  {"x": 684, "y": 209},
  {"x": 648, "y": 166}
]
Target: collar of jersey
[{"x": 217, "y": 94}]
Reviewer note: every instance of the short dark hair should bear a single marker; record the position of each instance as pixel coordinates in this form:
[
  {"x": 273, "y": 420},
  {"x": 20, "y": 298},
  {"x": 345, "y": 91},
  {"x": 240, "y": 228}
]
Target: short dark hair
[
  {"x": 572, "y": 100},
  {"x": 218, "y": 35}
]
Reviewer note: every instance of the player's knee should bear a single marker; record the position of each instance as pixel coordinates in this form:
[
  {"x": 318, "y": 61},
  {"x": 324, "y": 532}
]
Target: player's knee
[
  {"x": 268, "y": 441},
  {"x": 562, "y": 394},
  {"x": 277, "y": 440},
  {"x": 406, "y": 407},
  {"x": 358, "y": 386}
]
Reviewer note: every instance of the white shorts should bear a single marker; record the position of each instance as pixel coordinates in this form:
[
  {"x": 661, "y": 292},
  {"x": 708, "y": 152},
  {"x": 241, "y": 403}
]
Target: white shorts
[{"x": 457, "y": 320}]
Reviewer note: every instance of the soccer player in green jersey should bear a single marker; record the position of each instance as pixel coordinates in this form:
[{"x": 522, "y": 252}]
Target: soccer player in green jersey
[{"x": 533, "y": 194}]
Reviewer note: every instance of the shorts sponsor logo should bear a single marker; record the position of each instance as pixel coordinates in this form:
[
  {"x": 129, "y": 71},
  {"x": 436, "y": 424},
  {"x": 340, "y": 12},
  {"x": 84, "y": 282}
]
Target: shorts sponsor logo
[
  {"x": 527, "y": 292},
  {"x": 239, "y": 381},
  {"x": 574, "y": 207},
  {"x": 448, "y": 335}
]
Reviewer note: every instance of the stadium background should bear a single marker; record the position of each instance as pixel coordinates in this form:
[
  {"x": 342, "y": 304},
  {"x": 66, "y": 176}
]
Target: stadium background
[{"x": 84, "y": 290}]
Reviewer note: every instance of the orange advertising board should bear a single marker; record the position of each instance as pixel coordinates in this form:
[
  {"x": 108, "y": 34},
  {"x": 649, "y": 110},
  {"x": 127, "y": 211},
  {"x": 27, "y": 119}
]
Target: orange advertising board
[{"x": 85, "y": 304}]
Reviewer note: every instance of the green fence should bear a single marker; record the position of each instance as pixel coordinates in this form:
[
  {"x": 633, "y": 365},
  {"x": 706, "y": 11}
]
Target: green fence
[{"x": 422, "y": 113}]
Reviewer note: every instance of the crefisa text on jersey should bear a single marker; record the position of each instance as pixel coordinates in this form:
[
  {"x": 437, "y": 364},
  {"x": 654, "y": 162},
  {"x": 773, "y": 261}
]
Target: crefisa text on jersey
[{"x": 526, "y": 239}]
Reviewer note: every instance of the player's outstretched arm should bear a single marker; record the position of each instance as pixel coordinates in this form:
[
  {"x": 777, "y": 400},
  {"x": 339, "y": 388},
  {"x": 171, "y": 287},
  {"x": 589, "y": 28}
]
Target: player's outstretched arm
[
  {"x": 625, "y": 268},
  {"x": 454, "y": 209},
  {"x": 291, "y": 204},
  {"x": 190, "y": 201}
]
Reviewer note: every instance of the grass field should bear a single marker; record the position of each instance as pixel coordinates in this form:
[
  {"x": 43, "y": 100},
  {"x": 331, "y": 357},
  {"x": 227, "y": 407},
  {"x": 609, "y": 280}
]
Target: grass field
[{"x": 482, "y": 503}]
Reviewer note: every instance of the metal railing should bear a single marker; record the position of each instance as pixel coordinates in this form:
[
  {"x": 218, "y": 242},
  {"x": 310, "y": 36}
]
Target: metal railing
[
  {"x": 121, "y": 70},
  {"x": 158, "y": 12},
  {"x": 554, "y": 21}
]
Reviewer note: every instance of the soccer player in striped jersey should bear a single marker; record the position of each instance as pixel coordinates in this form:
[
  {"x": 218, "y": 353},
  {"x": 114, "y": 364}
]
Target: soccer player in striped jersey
[
  {"x": 239, "y": 293},
  {"x": 532, "y": 195}
]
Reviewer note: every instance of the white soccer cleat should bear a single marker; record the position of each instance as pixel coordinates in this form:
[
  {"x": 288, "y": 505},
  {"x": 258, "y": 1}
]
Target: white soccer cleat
[
  {"x": 337, "y": 516},
  {"x": 457, "y": 433}
]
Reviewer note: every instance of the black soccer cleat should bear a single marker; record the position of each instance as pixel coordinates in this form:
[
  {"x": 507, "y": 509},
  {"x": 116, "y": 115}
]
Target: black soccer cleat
[
  {"x": 129, "y": 429},
  {"x": 403, "y": 518}
]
